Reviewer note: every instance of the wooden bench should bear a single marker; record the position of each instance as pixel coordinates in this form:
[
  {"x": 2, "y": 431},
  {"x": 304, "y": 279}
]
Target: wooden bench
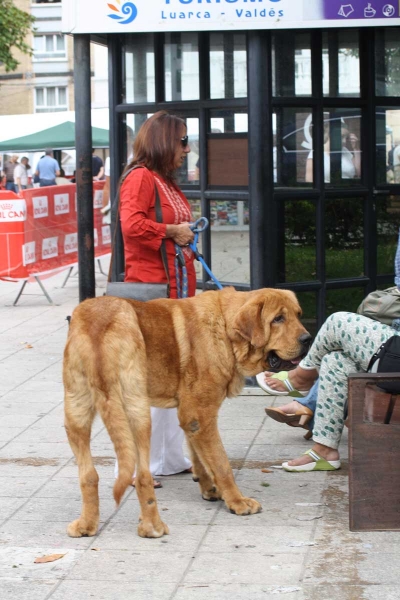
[{"x": 374, "y": 454}]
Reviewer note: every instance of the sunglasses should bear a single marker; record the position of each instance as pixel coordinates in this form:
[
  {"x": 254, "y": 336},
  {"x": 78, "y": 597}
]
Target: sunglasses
[{"x": 185, "y": 141}]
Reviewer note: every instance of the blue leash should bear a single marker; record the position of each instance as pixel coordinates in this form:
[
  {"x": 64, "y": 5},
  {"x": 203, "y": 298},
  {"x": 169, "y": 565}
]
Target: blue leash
[{"x": 180, "y": 265}]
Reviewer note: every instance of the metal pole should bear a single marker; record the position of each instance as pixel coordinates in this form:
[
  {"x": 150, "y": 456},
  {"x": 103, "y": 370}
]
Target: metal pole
[
  {"x": 84, "y": 177},
  {"x": 116, "y": 151},
  {"x": 262, "y": 208}
]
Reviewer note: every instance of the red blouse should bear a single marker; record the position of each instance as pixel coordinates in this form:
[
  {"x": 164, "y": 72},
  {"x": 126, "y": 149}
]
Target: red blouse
[{"x": 143, "y": 235}]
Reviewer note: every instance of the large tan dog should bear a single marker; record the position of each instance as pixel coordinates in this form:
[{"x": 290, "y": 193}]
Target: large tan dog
[{"x": 123, "y": 356}]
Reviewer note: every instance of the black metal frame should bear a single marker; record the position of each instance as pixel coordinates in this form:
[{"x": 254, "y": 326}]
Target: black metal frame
[{"x": 266, "y": 200}]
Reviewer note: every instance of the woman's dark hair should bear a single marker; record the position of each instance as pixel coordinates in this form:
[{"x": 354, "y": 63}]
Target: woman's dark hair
[{"x": 156, "y": 142}]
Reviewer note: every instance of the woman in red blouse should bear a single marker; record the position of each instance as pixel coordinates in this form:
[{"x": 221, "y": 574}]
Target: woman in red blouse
[{"x": 160, "y": 148}]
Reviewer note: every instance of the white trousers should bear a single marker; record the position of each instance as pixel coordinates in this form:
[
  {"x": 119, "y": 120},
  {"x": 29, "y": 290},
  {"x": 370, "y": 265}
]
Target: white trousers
[{"x": 166, "y": 452}]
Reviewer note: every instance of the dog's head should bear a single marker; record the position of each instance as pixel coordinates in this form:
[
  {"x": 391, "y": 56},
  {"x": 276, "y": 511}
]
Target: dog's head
[{"x": 268, "y": 332}]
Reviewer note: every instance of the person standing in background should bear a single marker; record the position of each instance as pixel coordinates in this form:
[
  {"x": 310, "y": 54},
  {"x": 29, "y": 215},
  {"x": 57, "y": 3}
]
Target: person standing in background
[
  {"x": 47, "y": 169},
  {"x": 9, "y": 168},
  {"x": 97, "y": 167},
  {"x": 21, "y": 174},
  {"x": 106, "y": 208}
]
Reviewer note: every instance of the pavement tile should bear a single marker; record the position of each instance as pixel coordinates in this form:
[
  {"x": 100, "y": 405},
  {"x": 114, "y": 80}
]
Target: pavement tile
[
  {"x": 39, "y": 434},
  {"x": 15, "y": 487},
  {"x": 68, "y": 488},
  {"x": 60, "y": 509},
  {"x": 265, "y": 568},
  {"x": 104, "y": 590},
  {"x": 274, "y": 539},
  {"x": 8, "y": 506},
  {"x": 173, "y": 512},
  {"x": 18, "y": 562},
  {"x": 238, "y": 591},
  {"x": 123, "y": 536},
  {"x": 125, "y": 566},
  {"x": 20, "y": 533},
  {"x": 12, "y": 589},
  {"x": 17, "y": 449}
]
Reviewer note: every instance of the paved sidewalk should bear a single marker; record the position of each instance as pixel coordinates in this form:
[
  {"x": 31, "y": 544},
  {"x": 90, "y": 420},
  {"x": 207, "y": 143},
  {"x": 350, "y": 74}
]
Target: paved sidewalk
[{"x": 298, "y": 548}]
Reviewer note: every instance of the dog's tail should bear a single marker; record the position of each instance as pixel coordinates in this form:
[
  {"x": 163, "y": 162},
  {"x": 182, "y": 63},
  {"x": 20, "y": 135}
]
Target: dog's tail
[{"x": 121, "y": 436}]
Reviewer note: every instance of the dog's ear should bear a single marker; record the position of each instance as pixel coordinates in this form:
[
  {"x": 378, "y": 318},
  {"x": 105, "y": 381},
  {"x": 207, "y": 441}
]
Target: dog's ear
[{"x": 249, "y": 324}]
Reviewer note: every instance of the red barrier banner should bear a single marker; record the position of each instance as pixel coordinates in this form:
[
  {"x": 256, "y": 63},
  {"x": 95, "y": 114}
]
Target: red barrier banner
[{"x": 38, "y": 230}]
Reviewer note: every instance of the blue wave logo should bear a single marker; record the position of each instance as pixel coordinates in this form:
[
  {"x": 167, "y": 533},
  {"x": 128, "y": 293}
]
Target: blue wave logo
[{"x": 128, "y": 10}]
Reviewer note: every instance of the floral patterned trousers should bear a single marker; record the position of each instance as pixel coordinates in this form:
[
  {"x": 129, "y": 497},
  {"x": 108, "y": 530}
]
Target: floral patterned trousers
[{"x": 345, "y": 344}]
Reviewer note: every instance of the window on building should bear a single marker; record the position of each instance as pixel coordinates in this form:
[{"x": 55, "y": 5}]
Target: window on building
[
  {"x": 51, "y": 99},
  {"x": 49, "y": 46}
]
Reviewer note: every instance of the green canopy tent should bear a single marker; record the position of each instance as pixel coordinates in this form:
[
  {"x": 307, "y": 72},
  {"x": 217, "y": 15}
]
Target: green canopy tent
[{"x": 59, "y": 137}]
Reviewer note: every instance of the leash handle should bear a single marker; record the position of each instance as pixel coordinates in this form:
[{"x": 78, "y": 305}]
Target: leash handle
[{"x": 200, "y": 225}]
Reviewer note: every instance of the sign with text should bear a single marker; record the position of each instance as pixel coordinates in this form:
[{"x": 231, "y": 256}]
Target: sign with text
[
  {"x": 126, "y": 16},
  {"x": 38, "y": 230}
]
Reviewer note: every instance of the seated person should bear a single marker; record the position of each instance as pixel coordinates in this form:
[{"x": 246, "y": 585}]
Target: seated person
[{"x": 345, "y": 344}]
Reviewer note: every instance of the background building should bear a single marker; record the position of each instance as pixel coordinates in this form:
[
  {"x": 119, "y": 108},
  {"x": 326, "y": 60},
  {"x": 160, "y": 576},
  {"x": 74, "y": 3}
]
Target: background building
[{"x": 44, "y": 82}]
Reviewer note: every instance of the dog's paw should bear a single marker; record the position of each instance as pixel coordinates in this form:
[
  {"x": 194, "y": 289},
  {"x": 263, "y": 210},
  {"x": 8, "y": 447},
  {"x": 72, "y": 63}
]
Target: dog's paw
[
  {"x": 148, "y": 529},
  {"x": 80, "y": 528},
  {"x": 212, "y": 495},
  {"x": 245, "y": 506}
]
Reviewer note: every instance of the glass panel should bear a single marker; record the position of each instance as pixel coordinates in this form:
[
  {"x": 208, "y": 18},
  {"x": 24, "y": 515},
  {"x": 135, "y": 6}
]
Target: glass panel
[
  {"x": 228, "y": 71},
  {"x": 62, "y": 96},
  {"x": 49, "y": 43},
  {"x": 181, "y": 66},
  {"x": 344, "y": 238},
  {"x": 292, "y": 147},
  {"x": 60, "y": 41},
  {"x": 228, "y": 121},
  {"x": 387, "y": 59},
  {"x": 388, "y": 145},
  {"x": 51, "y": 96},
  {"x": 40, "y": 96},
  {"x": 138, "y": 57},
  {"x": 308, "y": 303},
  {"x": 347, "y": 299},
  {"x": 341, "y": 63},
  {"x": 299, "y": 239},
  {"x": 387, "y": 216},
  {"x": 342, "y": 147},
  {"x": 190, "y": 170},
  {"x": 230, "y": 247},
  {"x": 291, "y": 64},
  {"x": 133, "y": 124},
  {"x": 38, "y": 43}
]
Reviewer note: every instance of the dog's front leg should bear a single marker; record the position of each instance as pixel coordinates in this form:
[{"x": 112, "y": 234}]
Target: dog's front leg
[
  {"x": 208, "y": 488},
  {"x": 204, "y": 438}
]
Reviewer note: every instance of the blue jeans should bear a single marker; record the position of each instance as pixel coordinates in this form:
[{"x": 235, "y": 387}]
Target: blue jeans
[
  {"x": 310, "y": 401},
  {"x": 10, "y": 185},
  {"x": 47, "y": 182}
]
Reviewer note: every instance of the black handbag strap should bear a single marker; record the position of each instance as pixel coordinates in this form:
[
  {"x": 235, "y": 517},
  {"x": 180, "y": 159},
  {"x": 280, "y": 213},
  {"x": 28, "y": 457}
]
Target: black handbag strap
[{"x": 159, "y": 219}]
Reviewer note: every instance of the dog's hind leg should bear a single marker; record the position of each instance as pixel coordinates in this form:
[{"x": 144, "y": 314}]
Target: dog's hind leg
[
  {"x": 79, "y": 415},
  {"x": 150, "y": 524}
]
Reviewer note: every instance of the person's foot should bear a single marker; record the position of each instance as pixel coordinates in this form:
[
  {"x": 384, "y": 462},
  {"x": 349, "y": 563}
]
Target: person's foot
[
  {"x": 292, "y": 408},
  {"x": 300, "y": 379},
  {"x": 325, "y": 452},
  {"x": 156, "y": 484}
]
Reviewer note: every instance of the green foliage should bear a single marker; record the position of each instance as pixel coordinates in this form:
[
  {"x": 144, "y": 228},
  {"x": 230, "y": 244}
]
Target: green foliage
[{"x": 15, "y": 24}]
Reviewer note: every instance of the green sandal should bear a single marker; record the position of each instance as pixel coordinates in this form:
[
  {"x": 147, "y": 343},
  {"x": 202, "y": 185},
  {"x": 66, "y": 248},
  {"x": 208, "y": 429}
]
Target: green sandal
[
  {"x": 284, "y": 377},
  {"x": 318, "y": 464}
]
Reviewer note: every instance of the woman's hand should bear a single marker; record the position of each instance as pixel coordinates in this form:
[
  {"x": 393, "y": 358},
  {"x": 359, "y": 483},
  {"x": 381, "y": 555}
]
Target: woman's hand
[{"x": 181, "y": 234}]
